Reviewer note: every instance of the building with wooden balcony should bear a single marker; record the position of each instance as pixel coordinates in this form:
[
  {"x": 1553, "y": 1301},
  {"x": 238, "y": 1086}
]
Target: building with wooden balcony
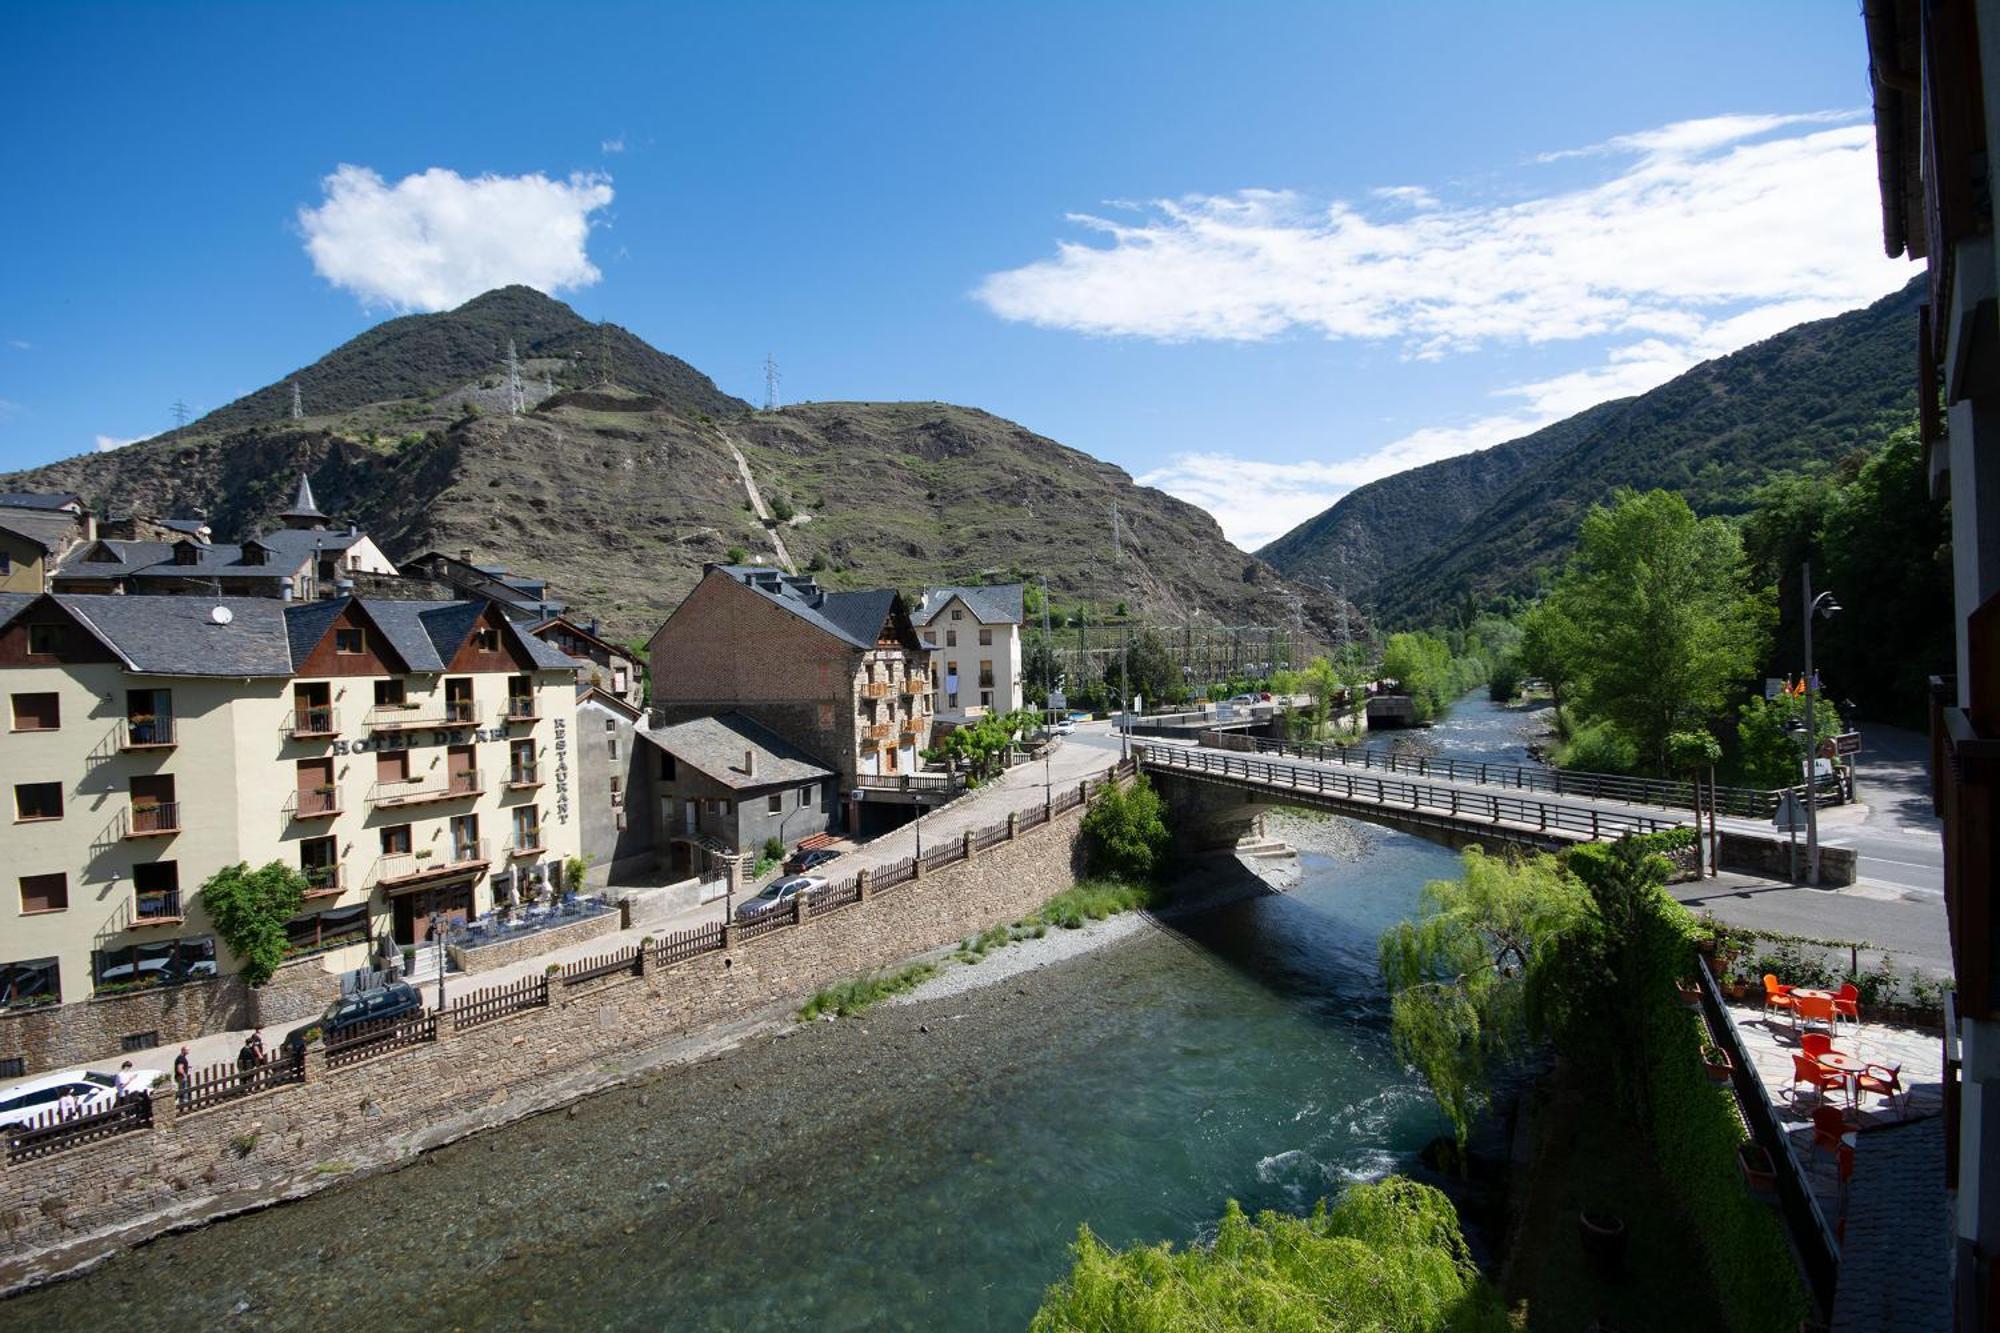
[
  {"x": 828, "y": 672},
  {"x": 408, "y": 758},
  {"x": 1937, "y": 121},
  {"x": 974, "y": 638}
]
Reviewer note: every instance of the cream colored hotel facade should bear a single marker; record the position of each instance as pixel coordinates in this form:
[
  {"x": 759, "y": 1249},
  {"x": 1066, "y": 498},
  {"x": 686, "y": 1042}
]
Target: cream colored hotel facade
[{"x": 411, "y": 758}]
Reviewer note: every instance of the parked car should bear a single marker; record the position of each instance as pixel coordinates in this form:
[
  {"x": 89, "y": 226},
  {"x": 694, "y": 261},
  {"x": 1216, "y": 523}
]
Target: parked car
[
  {"x": 810, "y": 860},
  {"x": 397, "y": 1000},
  {"x": 94, "y": 1091},
  {"x": 778, "y": 893},
  {"x": 1064, "y": 727},
  {"x": 1243, "y": 698}
]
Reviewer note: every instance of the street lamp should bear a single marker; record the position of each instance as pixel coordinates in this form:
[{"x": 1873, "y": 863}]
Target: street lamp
[{"x": 1822, "y": 605}]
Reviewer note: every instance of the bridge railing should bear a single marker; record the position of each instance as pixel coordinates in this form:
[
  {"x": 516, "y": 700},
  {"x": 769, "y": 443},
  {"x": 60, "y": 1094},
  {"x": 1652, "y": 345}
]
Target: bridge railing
[
  {"x": 1392, "y": 793},
  {"x": 1745, "y": 802}
]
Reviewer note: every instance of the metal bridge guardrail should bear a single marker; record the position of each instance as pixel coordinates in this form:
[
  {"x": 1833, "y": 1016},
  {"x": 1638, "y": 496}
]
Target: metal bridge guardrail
[
  {"x": 1744, "y": 802},
  {"x": 1390, "y": 793}
]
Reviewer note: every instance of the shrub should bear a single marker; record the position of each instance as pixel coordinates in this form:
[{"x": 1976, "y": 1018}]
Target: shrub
[
  {"x": 1125, "y": 834},
  {"x": 573, "y": 871},
  {"x": 1090, "y": 900},
  {"x": 735, "y": 555},
  {"x": 774, "y": 848},
  {"x": 781, "y": 509},
  {"x": 1598, "y": 747},
  {"x": 851, "y": 997},
  {"x": 250, "y": 909}
]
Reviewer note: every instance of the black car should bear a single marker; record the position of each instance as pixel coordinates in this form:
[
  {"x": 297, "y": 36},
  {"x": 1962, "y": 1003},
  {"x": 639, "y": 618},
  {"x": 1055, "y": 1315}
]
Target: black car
[
  {"x": 396, "y": 1000},
  {"x": 811, "y": 860}
]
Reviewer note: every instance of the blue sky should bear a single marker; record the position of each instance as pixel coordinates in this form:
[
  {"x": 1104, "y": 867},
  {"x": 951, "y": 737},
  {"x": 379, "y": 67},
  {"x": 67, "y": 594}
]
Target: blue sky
[{"x": 1254, "y": 253}]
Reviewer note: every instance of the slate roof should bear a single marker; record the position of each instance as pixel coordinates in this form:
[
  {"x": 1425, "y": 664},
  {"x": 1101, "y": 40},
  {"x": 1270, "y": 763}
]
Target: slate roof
[
  {"x": 13, "y": 531},
  {"x": 176, "y": 636},
  {"x": 32, "y": 500},
  {"x": 597, "y": 694},
  {"x": 1892, "y": 1255},
  {"x": 854, "y": 618},
  {"x": 155, "y": 560},
  {"x": 191, "y": 526},
  {"x": 716, "y": 745},
  {"x": 999, "y": 604}
]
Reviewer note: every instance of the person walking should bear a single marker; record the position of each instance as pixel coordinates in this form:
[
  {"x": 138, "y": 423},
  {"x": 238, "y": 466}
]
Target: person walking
[
  {"x": 246, "y": 1061},
  {"x": 183, "y": 1069},
  {"x": 122, "y": 1085},
  {"x": 256, "y": 1043}
]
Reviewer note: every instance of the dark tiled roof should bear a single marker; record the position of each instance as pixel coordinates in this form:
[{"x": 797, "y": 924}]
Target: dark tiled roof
[
  {"x": 999, "y": 604},
  {"x": 306, "y": 624},
  {"x": 32, "y": 500},
  {"x": 13, "y": 603},
  {"x": 853, "y": 617},
  {"x": 1892, "y": 1256},
  {"x": 179, "y": 636},
  {"x": 191, "y": 526},
  {"x": 427, "y": 634},
  {"x": 12, "y": 531},
  {"x": 132, "y": 556},
  {"x": 289, "y": 549},
  {"x": 716, "y": 746}
]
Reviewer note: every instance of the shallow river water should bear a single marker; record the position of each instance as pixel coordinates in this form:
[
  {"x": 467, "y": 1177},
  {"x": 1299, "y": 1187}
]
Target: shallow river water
[{"x": 924, "y": 1166}]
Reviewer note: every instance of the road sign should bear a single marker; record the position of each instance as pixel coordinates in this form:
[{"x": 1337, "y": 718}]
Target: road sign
[
  {"x": 1847, "y": 742},
  {"x": 1773, "y": 687},
  {"x": 1058, "y": 702},
  {"x": 1791, "y": 816}
]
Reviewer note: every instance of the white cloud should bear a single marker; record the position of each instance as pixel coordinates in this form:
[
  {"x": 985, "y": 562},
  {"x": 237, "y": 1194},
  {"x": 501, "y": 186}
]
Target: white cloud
[
  {"x": 616, "y": 145},
  {"x": 1705, "y": 236},
  {"x": 20, "y": 344},
  {"x": 106, "y": 443},
  {"x": 436, "y": 239}
]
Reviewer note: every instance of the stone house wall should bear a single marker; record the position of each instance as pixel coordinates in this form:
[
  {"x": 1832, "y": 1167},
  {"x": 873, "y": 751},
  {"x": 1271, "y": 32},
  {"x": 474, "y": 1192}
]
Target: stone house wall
[
  {"x": 58, "y": 1036},
  {"x": 69, "y": 1208}
]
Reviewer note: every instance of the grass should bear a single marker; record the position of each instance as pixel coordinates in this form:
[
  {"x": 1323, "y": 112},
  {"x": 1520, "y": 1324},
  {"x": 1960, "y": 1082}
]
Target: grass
[
  {"x": 1091, "y": 900},
  {"x": 849, "y": 998}
]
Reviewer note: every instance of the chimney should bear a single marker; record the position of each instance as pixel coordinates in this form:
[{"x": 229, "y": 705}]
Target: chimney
[
  {"x": 749, "y": 763},
  {"x": 465, "y": 554}
]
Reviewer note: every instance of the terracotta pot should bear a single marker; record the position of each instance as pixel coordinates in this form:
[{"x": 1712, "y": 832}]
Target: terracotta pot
[
  {"x": 1760, "y": 1175},
  {"x": 1718, "y": 1064},
  {"x": 1689, "y": 991}
]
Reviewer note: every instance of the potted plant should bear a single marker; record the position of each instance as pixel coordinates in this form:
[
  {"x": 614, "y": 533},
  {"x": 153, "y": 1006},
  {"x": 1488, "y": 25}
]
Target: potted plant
[
  {"x": 1760, "y": 1175},
  {"x": 1689, "y": 990},
  {"x": 1737, "y": 986},
  {"x": 1718, "y": 1064}
]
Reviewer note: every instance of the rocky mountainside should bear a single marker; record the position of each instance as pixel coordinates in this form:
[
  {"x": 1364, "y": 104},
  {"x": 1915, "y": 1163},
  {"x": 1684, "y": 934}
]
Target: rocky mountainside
[
  {"x": 622, "y": 477},
  {"x": 1476, "y": 530}
]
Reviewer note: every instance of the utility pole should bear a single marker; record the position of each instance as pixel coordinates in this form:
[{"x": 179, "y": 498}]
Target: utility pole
[
  {"x": 771, "y": 378},
  {"x": 298, "y": 403},
  {"x": 181, "y": 415},
  {"x": 1814, "y": 606},
  {"x": 1048, "y": 647},
  {"x": 517, "y": 401}
]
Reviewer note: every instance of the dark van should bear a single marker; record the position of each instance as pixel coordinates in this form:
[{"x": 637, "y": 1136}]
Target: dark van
[{"x": 397, "y": 1000}]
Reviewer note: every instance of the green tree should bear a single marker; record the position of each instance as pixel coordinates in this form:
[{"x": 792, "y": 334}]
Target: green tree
[
  {"x": 1040, "y": 669},
  {"x": 1125, "y": 833},
  {"x": 1552, "y": 648},
  {"x": 735, "y": 555},
  {"x": 1150, "y": 667},
  {"x": 1768, "y": 752},
  {"x": 250, "y": 909},
  {"x": 1478, "y": 971},
  {"x": 1674, "y": 629}
]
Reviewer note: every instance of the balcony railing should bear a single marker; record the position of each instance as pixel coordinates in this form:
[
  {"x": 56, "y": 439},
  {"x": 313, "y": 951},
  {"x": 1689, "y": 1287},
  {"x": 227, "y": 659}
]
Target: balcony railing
[
  {"x": 153, "y": 821},
  {"x": 528, "y": 776},
  {"x": 323, "y": 881},
  {"x": 878, "y": 731},
  {"x": 313, "y": 803},
  {"x": 915, "y": 726},
  {"x": 919, "y": 782},
  {"x": 403, "y": 868},
  {"x": 459, "y": 712},
  {"x": 877, "y": 689},
  {"x": 403, "y": 717},
  {"x": 313, "y": 722},
  {"x": 526, "y": 842},
  {"x": 520, "y": 708},
  {"x": 154, "y": 732},
  {"x": 421, "y": 791},
  {"x": 156, "y": 906},
  {"x": 916, "y": 685}
]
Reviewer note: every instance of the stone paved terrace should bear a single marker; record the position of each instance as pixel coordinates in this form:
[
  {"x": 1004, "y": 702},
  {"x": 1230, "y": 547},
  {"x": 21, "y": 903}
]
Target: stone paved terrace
[{"x": 1772, "y": 1041}]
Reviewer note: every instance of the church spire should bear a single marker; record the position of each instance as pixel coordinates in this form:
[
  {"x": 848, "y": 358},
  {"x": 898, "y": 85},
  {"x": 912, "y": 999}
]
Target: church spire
[{"x": 304, "y": 513}]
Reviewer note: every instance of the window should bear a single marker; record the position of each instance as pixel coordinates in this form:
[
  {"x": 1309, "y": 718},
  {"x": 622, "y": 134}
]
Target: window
[
  {"x": 527, "y": 828},
  {"x": 486, "y": 639},
  {"x": 666, "y": 767},
  {"x": 160, "y": 963},
  {"x": 45, "y": 893},
  {"x": 319, "y": 862},
  {"x": 465, "y": 837},
  {"x": 45, "y": 640},
  {"x": 396, "y": 840},
  {"x": 617, "y": 681},
  {"x": 38, "y": 800},
  {"x": 34, "y": 981},
  {"x": 351, "y": 641},
  {"x": 37, "y": 712},
  {"x": 617, "y": 789},
  {"x": 521, "y": 763},
  {"x": 806, "y": 794},
  {"x": 185, "y": 554},
  {"x": 392, "y": 766},
  {"x": 986, "y": 674},
  {"x": 156, "y": 891},
  {"x": 951, "y": 638},
  {"x": 985, "y": 637},
  {"x": 391, "y": 693},
  {"x": 611, "y": 747},
  {"x": 327, "y": 930},
  {"x": 957, "y": 614},
  {"x": 774, "y": 804}
]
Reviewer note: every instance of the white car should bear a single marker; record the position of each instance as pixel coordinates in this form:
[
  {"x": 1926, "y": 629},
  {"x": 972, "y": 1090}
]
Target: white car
[
  {"x": 94, "y": 1091},
  {"x": 778, "y": 893},
  {"x": 1064, "y": 727}
]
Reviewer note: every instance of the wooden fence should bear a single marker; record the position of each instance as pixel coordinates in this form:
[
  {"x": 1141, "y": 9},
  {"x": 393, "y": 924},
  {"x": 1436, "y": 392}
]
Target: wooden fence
[
  {"x": 365, "y": 1041},
  {"x": 48, "y": 1134},
  {"x": 222, "y": 1083},
  {"x": 497, "y": 1002},
  {"x": 604, "y": 965},
  {"x": 685, "y": 944}
]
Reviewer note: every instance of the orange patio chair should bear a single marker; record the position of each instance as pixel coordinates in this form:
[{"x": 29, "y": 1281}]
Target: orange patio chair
[
  {"x": 1815, "y": 1044},
  {"x": 1847, "y": 1004},
  {"x": 1830, "y": 1128},
  {"x": 1805, "y": 1069},
  {"x": 1886, "y": 1081},
  {"x": 1812, "y": 1009},
  {"x": 1776, "y": 996}
]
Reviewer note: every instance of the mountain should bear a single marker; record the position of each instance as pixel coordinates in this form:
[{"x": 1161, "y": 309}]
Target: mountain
[
  {"x": 622, "y": 477},
  {"x": 1484, "y": 527}
]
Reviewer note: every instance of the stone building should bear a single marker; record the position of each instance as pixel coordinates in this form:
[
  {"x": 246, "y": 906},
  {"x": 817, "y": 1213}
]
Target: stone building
[
  {"x": 613, "y": 669},
  {"x": 407, "y": 757},
  {"x": 36, "y": 532},
  {"x": 841, "y": 676},
  {"x": 725, "y": 786}
]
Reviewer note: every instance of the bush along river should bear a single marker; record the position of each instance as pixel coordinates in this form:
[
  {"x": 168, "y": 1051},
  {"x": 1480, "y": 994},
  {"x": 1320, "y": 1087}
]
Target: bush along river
[{"x": 924, "y": 1165}]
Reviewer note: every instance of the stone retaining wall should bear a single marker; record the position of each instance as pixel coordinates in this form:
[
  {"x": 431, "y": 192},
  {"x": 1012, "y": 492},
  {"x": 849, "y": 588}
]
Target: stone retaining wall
[
  {"x": 91, "y": 1031},
  {"x": 1773, "y": 857},
  {"x": 486, "y": 957},
  {"x": 64, "y": 1210}
]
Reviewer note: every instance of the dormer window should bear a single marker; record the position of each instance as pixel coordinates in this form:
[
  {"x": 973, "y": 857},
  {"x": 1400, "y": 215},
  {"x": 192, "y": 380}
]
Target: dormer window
[
  {"x": 486, "y": 639},
  {"x": 186, "y": 554},
  {"x": 255, "y": 553},
  {"x": 102, "y": 554},
  {"x": 45, "y": 640},
  {"x": 349, "y": 641}
]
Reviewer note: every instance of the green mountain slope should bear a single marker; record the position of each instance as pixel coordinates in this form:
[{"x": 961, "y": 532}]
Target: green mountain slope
[
  {"x": 617, "y": 492},
  {"x": 1809, "y": 395}
]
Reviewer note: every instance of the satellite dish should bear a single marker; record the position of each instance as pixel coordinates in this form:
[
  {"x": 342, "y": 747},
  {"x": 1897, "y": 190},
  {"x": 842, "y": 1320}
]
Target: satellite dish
[{"x": 222, "y": 615}]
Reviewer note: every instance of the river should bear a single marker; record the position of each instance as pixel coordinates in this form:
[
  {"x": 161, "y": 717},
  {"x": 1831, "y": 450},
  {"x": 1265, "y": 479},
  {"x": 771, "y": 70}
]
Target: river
[{"x": 923, "y": 1166}]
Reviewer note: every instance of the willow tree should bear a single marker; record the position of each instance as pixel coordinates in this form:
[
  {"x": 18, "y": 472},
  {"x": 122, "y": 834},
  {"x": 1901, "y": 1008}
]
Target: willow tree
[{"x": 1479, "y": 972}]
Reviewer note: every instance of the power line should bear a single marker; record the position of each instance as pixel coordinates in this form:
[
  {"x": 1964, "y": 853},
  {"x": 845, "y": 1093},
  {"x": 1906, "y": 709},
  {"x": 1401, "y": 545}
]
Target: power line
[
  {"x": 181, "y": 415},
  {"x": 298, "y": 403}
]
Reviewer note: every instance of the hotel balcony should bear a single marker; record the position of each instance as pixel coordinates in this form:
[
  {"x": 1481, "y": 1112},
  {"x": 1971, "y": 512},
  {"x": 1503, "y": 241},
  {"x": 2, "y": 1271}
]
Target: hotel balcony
[
  {"x": 312, "y": 723},
  {"x": 313, "y": 803},
  {"x": 324, "y": 881},
  {"x": 158, "y": 820},
  {"x": 405, "y": 870},
  {"x": 404, "y": 717},
  {"x": 519, "y": 708},
  {"x": 878, "y": 731},
  {"x": 524, "y": 778},
  {"x": 915, "y": 726},
  {"x": 156, "y": 907},
  {"x": 424, "y": 791},
  {"x": 460, "y": 712},
  {"x": 149, "y": 732},
  {"x": 526, "y": 842}
]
